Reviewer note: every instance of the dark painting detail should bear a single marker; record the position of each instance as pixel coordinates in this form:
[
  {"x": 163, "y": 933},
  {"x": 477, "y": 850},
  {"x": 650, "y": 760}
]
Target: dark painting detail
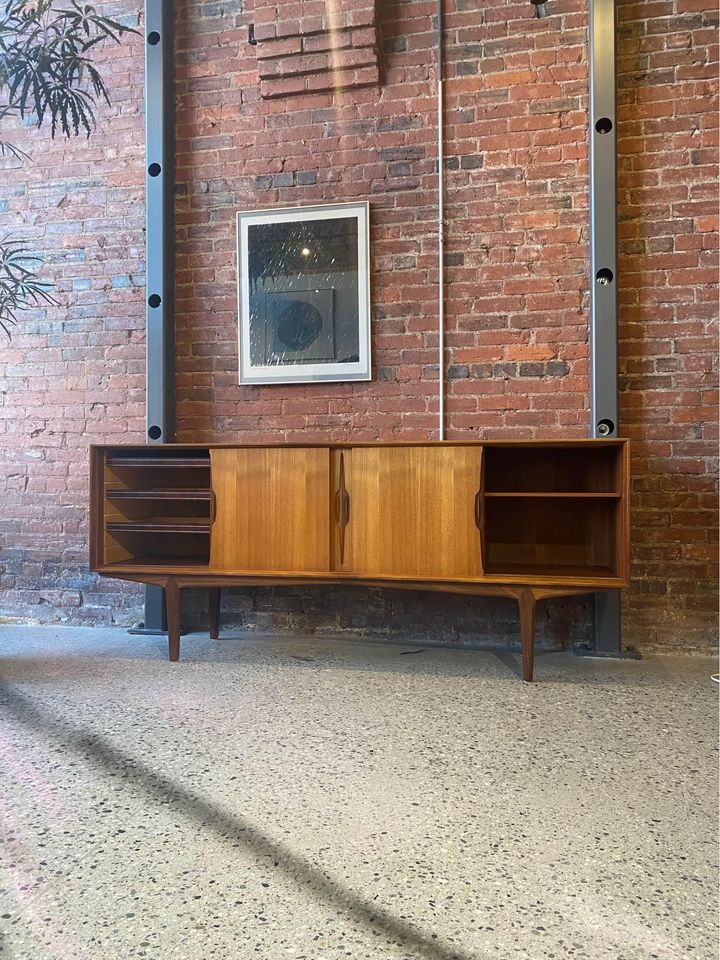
[{"x": 299, "y": 328}]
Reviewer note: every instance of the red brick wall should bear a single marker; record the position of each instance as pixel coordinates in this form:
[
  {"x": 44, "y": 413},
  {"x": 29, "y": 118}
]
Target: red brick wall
[{"x": 516, "y": 300}]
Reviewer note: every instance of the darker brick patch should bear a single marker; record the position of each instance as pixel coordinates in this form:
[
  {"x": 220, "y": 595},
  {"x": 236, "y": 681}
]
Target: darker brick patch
[
  {"x": 531, "y": 369},
  {"x": 398, "y": 183},
  {"x": 219, "y": 9},
  {"x": 407, "y": 122},
  {"x": 395, "y": 45},
  {"x": 481, "y": 371},
  {"x": 391, "y": 154},
  {"x": 283, "y": 180},
  {"x": 275, "y": 182},
  {"x": 553, "y": 368},
  {"x": 564, "y": 105}
]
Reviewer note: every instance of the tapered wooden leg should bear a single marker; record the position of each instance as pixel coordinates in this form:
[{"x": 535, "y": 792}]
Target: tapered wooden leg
[
  {"x": 172, "y": 610},
  {"x": 214, "y": 607},
  {"x": 526, "y": 601}
]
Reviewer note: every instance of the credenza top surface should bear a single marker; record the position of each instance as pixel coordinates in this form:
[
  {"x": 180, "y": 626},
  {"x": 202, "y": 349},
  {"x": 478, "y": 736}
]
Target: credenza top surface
[{"x": 345, "y": 444}]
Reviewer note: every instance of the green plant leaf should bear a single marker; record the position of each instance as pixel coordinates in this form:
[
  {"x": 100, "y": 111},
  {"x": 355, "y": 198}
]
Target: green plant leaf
[{"x": 20, "y": 286}]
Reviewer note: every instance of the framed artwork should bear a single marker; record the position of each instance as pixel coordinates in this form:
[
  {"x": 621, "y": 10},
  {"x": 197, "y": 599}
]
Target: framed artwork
[{"x": 304, "y": 294}]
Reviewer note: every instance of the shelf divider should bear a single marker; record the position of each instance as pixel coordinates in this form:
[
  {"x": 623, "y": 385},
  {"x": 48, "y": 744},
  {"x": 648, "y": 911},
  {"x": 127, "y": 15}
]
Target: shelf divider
[
  {"x": 121, "y": 493},
  {"x": 552, "y": 494},
  {"x": 199, "y": 525},
  {"x": 185, "y": 463}
]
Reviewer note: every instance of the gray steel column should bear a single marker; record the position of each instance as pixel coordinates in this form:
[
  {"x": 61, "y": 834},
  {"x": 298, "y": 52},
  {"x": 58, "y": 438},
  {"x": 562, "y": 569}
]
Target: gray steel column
[
  {"x": 160, "y": 266},
  {"x": 603, "y": 274},
  {"x": 603, "y": 218},
  {"x": 160, "y": 201}
]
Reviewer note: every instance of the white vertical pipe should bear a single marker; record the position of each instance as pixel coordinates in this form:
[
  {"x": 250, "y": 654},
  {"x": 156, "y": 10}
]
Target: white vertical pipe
[{"x": 441, "y": 228}]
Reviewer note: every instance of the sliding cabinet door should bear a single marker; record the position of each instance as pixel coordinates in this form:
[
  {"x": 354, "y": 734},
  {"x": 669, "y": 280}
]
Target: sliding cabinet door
[
  {"x": 272, "y": 509},
  {"x": 413, "y": 511}
]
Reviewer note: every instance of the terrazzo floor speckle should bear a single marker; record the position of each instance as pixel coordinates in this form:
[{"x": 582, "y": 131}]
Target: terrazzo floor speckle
[{"x": 322, "y": 799}]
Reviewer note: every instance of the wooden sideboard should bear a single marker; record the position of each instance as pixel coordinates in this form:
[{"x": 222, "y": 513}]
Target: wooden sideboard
[{"x": 526, "y": 520}]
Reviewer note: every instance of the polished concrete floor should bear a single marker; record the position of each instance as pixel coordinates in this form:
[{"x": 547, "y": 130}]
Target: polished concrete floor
[{"x": 323, "y": 799}]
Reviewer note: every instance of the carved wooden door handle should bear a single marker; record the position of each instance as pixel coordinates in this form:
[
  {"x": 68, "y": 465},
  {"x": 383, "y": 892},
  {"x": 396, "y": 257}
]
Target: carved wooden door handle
[{"x": 342, "y": 508}]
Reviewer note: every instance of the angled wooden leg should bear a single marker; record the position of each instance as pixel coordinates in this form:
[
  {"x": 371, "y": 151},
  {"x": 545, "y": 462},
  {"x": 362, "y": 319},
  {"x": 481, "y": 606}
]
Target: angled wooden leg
[
  {"x": 214, "y": 607},
  {"x": 526, "y": 602},
  {"x": 172, "y": 610}
]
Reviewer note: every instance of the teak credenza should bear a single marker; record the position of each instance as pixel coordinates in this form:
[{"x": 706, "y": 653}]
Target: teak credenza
[{"x": 527, "y": 520}]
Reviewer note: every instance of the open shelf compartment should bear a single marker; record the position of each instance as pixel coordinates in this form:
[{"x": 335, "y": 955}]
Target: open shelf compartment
[
  {"x": 548, "y": 469},
  {"x": 553, "y": 537},
  {"x": 159, "y": 503}
]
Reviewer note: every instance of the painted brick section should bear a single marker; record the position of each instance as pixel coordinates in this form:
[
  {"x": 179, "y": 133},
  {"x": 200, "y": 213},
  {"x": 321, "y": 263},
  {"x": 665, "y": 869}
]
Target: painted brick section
[
  {"x": 517, "y": 297},
  {"x": 310, "y": 47},
  {"x": 75, "y": 374}
]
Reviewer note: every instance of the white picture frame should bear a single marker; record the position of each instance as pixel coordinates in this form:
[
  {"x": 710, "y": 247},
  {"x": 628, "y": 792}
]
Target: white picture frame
[{"x": 334, "y": 308}]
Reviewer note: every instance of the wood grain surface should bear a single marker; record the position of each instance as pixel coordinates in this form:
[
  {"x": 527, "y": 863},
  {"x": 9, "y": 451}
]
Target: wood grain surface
[
  {"x": 412, "y": 511},
  {"x": 273, "y": 506}
]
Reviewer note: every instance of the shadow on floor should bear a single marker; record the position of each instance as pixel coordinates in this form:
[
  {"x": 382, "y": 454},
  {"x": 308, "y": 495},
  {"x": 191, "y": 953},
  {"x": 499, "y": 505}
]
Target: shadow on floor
[
  {"x": 228, "y": 827},
  {"x": 509, "y": 661},
  {"x": 312, "y": 653}
]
